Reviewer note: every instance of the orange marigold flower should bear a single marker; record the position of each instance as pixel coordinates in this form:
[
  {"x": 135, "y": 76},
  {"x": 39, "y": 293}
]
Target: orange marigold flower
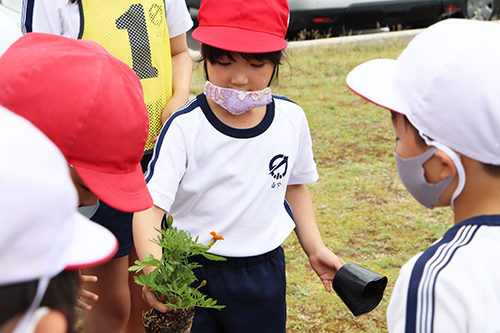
[
  {"x": 217, "y": 237},
  {"x": 214, "y": 239}
]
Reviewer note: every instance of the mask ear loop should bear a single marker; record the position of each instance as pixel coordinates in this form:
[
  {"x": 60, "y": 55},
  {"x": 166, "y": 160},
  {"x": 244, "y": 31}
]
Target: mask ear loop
[
  {"x": 458, "y": 164},
  {"x": 22, "y": 325}
]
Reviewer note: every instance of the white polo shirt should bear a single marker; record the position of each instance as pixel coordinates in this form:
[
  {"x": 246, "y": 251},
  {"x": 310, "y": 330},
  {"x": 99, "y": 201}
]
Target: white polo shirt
[
  {"x": 9, "y": 32},
  {"x": 453, "y": 286},
  {"x": 212, "y": 177}
]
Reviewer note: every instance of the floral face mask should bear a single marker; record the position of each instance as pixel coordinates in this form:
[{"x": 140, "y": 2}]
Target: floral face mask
[{"x": 235, "y": 101}]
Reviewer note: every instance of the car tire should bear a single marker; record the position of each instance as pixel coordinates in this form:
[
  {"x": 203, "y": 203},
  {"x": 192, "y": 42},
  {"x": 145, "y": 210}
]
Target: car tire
[{"x": 483, "y": 10}]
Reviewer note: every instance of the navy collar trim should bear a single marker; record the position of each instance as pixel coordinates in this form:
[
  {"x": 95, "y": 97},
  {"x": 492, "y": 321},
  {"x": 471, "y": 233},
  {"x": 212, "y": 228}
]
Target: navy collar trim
[
  {"x": 486, "y": 220},
  {"x": 237, "y": 133}
]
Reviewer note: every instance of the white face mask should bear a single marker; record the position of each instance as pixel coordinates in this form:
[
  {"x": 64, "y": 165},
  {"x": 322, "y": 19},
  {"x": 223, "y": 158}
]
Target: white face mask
[
  {"x": 235, "y": 101},
  {"x": 412, "y": 174},
  {"x": 88, "y": 211}
]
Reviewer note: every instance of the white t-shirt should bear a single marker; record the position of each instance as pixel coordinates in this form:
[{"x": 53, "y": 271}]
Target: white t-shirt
[
  {"x": 212, "y": 177},
  {"x": 9, "y": 32},
  {"x": 453, "y": 286},
  {"x": 61, "y": 17}
]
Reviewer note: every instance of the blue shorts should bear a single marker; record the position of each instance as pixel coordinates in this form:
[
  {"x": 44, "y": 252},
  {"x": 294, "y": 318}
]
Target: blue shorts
[
  {"x": 253, "y": 289},
  {"x": 118, "y": 222}
]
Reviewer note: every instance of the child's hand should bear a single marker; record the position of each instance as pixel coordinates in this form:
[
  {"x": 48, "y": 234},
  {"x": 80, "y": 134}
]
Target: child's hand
[
  {"x": 149, "y": 297},
  {"x": 85, "y": 294},
  {"x": 326, "y": 264}
]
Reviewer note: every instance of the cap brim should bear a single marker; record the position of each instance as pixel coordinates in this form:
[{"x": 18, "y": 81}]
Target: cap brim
[
  {"x": 239, "y": 40},
  {"x": 374, "y": 81},
  {"x": 126, "y": 192},
  {"x": 92, "y": 244}
]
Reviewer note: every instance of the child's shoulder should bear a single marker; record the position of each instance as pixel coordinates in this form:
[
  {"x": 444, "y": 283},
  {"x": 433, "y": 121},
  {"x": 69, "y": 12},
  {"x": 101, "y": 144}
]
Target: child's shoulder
[
  {"x": 288, "y": 107},
  {"x": 192, "y": 105},
  {"x": 186, "y": 113},
  {"x": 473, "y": 236},
  {"x": 284, "y": 103},
  {"x": 284, "y": 99}
]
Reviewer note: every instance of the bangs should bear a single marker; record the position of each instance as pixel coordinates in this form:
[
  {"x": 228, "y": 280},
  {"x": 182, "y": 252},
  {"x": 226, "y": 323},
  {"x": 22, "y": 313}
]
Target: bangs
[{"x": 212, "y": 54}]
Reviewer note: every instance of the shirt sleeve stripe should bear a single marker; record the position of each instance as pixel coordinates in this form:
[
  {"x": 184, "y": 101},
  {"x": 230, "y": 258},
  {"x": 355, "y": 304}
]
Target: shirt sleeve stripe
[
  {"x": 190, "y": 106},
  {"x": 421, "y": 300}
]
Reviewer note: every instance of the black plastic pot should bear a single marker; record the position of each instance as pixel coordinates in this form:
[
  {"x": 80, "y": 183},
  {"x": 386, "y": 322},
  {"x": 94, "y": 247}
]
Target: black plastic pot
[{"x": 359, "y": 288}]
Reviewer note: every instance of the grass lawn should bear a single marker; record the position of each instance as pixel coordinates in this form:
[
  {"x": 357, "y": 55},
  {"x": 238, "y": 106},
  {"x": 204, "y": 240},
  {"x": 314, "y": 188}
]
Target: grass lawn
[{"x": 363, "y": 211}]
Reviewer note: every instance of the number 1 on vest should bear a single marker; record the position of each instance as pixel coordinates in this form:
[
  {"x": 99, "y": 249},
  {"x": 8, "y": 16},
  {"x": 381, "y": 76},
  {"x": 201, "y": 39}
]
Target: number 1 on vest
[{"x": 133, "y": 20}]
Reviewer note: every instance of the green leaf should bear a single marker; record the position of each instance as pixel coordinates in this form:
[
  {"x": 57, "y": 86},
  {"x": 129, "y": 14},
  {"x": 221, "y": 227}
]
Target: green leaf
[{"x": 214, "y": 257}]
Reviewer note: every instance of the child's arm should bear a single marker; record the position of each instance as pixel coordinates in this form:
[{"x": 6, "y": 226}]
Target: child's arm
[
  {"x": 324, "y": 262},
  {"x": 182, "y": 68},
  {"x": 143, "y": 228}
]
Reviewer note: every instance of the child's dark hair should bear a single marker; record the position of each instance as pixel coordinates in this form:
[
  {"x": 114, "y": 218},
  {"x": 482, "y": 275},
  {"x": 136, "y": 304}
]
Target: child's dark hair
[
  {"x": 418, "y": 139},
  {"x": 491, "y": 169},
  {"x": 212, "y": 54},
  {"x": 15, "y": 299}
]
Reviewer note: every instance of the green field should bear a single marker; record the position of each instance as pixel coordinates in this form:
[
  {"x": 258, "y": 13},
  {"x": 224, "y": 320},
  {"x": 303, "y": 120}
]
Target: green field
[{"x": 362, "y": 209}]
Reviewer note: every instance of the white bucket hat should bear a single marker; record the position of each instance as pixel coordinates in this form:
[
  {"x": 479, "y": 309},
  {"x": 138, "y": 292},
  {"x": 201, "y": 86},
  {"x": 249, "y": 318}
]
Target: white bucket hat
[
  {"x": 41, "y": 232},
  {"x": 447, "y": 83}
]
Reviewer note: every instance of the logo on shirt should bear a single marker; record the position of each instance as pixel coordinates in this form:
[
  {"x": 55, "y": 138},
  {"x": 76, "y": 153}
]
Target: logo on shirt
[{"x": 278, "y": 166}]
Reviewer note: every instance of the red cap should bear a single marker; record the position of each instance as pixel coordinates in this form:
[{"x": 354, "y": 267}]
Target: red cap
[
  {"x": 90, "y": 104},
  {"x": 246, "y": 26}
]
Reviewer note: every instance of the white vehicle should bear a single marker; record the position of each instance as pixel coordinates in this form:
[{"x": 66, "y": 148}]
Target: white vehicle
[{"x": 368, "y": 14}]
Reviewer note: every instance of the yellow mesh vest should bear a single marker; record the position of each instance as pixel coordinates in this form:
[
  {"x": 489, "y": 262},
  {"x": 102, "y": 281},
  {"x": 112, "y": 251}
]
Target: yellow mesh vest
[{"x": 137, "y": 34}]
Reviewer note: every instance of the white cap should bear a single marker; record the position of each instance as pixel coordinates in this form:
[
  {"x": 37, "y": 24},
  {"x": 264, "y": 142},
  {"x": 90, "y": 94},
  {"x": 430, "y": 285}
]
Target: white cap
[
  {"x": 9, "y": 32},
  {"x": 447, "y": 82},
  {"x": 41, "y": 232}
]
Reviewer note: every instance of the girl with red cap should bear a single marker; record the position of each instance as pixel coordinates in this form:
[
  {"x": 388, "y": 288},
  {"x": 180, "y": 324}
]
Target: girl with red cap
[{"x": 236, "y": 159}]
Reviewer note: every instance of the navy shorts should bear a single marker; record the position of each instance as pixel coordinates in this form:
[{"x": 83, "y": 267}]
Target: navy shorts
[
  {"x": 253, "y": 289},
  {"x": 118, "y": 222}
]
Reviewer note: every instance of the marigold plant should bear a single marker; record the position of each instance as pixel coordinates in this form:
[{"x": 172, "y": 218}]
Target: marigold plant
[{"x": 173, "y": 275}]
